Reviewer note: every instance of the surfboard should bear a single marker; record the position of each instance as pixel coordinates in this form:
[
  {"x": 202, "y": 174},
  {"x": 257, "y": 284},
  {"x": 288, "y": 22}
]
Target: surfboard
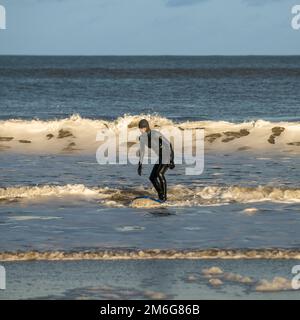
[{"x": 146, "y": 202}]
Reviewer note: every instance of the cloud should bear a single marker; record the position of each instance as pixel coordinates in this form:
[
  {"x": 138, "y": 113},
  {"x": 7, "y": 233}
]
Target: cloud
[{"x": 181, "y": 3}]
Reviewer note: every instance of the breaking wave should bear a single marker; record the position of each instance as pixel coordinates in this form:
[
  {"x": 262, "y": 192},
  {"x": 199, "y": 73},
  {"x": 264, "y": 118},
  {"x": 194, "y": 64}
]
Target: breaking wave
[
  {"x": 78, "y": 135},
  {"x": 178, "y": 195}
]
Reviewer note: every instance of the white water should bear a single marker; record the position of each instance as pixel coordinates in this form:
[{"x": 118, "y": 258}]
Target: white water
[
  {"x": 78, "y": 135},
  {"x": 178, "y": 195}
]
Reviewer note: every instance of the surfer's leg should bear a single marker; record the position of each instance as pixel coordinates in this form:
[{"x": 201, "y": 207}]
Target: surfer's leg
[
  {"x": 162, "y": 181},
  {"x": 154, "y": 178}
]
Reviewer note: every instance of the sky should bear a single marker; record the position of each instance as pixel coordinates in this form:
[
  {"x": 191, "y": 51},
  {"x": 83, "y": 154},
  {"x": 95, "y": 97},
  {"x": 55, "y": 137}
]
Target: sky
[{"x": 149, "y": 27}]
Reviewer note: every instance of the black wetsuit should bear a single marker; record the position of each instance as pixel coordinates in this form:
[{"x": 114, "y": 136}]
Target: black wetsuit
[
  {"x": 157, "y": 177},
  {"x": 165, "y": 161}
]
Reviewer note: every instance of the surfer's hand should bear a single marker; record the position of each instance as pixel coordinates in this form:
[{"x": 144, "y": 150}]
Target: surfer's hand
[
  {"x": 139, "y": 169},
  {"x": 172, "y": 165}
]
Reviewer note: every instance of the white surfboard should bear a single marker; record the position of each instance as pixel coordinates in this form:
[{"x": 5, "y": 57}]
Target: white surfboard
[{"x": 146, "y": 202}]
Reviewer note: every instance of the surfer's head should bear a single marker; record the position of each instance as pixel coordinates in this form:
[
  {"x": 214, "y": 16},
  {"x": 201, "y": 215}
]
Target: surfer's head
[{"x": 144, "y": 125}]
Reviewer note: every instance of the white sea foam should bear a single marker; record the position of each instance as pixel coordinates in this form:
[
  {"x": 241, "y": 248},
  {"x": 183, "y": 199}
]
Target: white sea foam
[
  {"x": 276, "y": 284},
  {"x": 178, "y": 195},
  {"x": 128, "y": 254},
  {"x": 26, "y": 218}
]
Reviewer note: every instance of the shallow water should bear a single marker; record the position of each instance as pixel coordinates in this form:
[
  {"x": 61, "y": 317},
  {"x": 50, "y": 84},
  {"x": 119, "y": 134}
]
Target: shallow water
[
  {"x": 147, "y": 279},
  {"x": 77, "y": 203}
]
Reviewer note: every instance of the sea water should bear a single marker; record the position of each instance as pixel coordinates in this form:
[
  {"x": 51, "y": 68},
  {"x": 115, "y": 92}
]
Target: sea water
[{"x": 54, "y": 196}]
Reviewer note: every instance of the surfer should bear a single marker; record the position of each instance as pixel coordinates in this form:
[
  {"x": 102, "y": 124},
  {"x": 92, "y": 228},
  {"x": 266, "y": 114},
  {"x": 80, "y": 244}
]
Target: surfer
[{"x": 154, "y": 140}]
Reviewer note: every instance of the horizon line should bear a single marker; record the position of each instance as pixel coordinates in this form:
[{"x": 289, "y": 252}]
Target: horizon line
[{"x": 151, "y": 55}]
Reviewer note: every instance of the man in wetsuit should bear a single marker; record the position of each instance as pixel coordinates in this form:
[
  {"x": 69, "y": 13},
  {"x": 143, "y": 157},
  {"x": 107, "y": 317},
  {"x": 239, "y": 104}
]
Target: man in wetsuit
[{"x": 154, "y": 140}]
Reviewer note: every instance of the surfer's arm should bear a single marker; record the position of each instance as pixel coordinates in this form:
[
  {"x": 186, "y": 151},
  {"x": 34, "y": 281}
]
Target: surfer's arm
[
  {"x": 141, "y": 154},
  {"x": 142, "y": 149},
  {"x": 139, "y": 169},
  {"x": 171, "y": 152},
  {"x": 172, "y": 165}
]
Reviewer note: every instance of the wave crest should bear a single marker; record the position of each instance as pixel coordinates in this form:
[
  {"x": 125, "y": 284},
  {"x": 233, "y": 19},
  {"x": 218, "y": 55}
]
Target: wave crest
[{"x": 77, "y": 135}]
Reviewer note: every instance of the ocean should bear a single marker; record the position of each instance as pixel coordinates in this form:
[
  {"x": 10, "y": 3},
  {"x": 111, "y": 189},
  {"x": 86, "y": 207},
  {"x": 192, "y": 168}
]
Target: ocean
[{"x": 58, "y": 203}]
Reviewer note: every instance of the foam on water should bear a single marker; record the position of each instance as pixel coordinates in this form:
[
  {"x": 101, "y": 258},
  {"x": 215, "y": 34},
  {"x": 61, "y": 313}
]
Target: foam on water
[
  {"x": 26, "y": 218},
  {"x": 276, "y": 284},
  {"x": 217, "y": 277},
  {"x": 178, "y": 195},
  {"x": 135, "y": 254}
]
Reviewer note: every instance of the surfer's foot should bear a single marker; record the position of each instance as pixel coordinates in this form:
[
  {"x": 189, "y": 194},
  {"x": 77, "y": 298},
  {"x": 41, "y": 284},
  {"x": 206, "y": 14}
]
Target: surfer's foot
[{"x": 162, "y": 197}]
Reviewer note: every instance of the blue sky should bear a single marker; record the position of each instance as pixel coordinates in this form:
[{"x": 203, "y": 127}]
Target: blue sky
[{"x": 147, "y": 27}]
